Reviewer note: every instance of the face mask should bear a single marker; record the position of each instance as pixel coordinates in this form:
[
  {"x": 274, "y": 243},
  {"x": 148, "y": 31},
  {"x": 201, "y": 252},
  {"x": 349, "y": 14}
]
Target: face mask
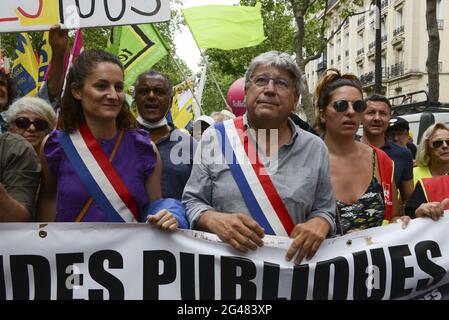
[{"x": 151, "y": 125}]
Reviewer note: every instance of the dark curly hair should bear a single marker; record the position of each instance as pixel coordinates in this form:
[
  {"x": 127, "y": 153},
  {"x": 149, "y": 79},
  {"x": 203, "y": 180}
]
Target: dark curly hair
[
  {"x": 11, "y": 88},
  {"x": 72, "y": 116}
]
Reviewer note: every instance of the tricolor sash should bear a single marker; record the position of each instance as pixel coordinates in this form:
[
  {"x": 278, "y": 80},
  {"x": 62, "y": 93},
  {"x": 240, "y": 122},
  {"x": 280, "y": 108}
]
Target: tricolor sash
[
  {"x": 257, "y": 189},
  {"x": 99, "y": 176}
]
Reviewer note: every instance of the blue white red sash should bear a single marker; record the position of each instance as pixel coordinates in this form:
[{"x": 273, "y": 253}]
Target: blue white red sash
[
  {"x": 260, "y": 195},
  {"x": 99, "y": 176}
]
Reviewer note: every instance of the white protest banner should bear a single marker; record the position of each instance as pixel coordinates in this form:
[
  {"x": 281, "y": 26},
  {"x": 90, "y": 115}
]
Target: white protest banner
[
  {"x": 33, "y": 15},
  {"x": 137, "y": 261}
]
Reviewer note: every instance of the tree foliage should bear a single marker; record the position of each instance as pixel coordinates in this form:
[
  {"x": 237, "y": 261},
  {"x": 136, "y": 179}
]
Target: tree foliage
[
  {"x": 295, "y": 26},
  {"x": 228, "y": 66}
]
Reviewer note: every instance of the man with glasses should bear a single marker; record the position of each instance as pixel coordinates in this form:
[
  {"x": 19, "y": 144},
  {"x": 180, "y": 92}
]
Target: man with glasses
[
  {"x": 375, "y": 121},
  {"x": 19, "y": 178},
  {"x": 261, "y": 174},
  {"x": 153, "y": 93}
]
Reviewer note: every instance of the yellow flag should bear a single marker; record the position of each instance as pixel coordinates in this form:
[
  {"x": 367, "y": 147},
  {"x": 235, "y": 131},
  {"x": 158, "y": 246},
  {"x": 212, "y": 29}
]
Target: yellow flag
[
  {"x": 44, "y": 58},
  {"x": 25, "y": 69},
  {"x": 182, "y": 107},
  {"x": 46, "y": 14}
]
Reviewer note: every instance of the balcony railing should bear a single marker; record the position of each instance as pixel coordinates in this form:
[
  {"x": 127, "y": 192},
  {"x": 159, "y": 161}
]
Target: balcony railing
[
  {"x": 367, "y": 78},
  {"x": 440, "y": 23},
  {"x": 384, "y": 4},
  {"x": 397, "y": 69},
  {"x": 370, "y": 77},
  {"x": 398, "y": 30},
  {"x": 385, "y": 72},
  {"x": 384, "y": 38},
  {"x": 360, "y": 51},
  {"x": 361, "y": 21},
  {"x": 322, "y": 65},
  {"x": 372, "y": 45}
]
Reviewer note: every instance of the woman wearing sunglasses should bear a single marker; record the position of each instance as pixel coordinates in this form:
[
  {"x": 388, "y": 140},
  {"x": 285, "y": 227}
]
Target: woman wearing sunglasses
[
  {"x": 430, "y": 175},
  {"x": 31, "y": 117},
  {"x": 432, "y": 157},
  {"x": 361, "y": 174}
]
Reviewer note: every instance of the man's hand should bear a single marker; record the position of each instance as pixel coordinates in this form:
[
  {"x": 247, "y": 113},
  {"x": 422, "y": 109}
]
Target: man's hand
[
  {"x": 164, "y": 219},
  {"x": 241, "y": 231},
  {"x": 434, "y": 210},
  {"x": 58, "y": 39},
  {"x": 307, "y": 238}
]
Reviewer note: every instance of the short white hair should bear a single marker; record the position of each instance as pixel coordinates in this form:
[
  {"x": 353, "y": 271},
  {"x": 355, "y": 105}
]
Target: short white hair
[{"x": 32, "y": 104}]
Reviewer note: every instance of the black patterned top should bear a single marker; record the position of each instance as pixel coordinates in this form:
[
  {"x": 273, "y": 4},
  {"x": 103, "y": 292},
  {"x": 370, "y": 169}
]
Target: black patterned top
[{"x": 367, "y": 212}]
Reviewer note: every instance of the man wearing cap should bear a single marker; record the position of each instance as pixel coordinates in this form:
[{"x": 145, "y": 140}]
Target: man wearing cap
[
  {"x": 375, "y": 121},
  {"x": 398, "y": 132}
]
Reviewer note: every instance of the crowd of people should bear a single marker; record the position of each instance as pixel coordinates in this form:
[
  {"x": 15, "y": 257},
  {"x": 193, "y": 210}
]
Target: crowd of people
[{"x": 267, "y": 172}]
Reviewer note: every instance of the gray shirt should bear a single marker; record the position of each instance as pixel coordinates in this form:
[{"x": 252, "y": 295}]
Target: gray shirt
[
  {"x": 20, "y": 170},
  {"x": 300, "y": 174}
]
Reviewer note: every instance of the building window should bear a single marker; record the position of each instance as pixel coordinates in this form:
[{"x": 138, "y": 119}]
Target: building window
[
  {"x": 440, "y": 19},
  {"x": 399, "y": 18}
]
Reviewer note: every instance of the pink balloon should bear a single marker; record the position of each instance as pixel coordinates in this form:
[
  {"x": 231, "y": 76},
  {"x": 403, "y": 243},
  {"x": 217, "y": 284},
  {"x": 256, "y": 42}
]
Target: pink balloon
[{"x": 236, "y": 97}]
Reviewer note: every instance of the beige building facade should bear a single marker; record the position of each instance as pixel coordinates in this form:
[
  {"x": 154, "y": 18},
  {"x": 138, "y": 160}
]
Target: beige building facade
[{"x": 404, "y": 47}]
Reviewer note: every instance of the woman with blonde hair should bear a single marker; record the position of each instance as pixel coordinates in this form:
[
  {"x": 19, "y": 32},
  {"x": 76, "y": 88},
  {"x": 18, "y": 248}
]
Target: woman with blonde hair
[
  {"x": 432, "y": 157},
  {"x": 31, "y": 117},
  {"x": 430, "y": 175},
  {"x": 361, "y": 174}
]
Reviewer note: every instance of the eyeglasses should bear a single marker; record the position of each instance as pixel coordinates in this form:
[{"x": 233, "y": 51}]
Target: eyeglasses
[
  {"x": 343, "y": 105},
  {"x": 439, "y": 143},
  {"x": 25, "y": 123},
  {"x": 156, "y": 91},
  {"x": 279, "y": 83}
]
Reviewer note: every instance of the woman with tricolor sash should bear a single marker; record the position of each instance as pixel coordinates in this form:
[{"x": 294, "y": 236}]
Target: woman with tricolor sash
[
  {"x": 98, "y": 167},
  {"x": 362, "y": 175}
]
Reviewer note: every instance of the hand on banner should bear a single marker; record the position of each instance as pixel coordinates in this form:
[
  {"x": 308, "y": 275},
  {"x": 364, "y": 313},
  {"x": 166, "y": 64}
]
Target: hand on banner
[
  {"x": 241, "y": 231},
  {"x": 164, "y": 219},
  {"x": 434, "y": 210},
  {"x": 308, "y": 237},
  {"x": 404, "y": 219}
]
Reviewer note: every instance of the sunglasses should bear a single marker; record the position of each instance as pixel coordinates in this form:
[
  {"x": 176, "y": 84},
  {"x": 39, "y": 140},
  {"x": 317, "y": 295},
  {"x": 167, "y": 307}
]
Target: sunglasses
[
  {"x": 25, "y": 123},
  {"x": 439, "y": 143},
  {"x": 343, "y": 105}
]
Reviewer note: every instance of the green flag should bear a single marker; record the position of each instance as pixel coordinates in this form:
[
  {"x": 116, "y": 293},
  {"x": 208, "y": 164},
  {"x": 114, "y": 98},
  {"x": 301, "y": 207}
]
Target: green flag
[
  {"x": 225, "y": 27},
  {"x": 139, "y": 47}
]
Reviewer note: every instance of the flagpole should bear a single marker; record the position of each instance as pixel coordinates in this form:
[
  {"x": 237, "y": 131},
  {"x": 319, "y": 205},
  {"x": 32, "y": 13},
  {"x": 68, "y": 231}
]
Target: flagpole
[{"x": 214, "y": 80}]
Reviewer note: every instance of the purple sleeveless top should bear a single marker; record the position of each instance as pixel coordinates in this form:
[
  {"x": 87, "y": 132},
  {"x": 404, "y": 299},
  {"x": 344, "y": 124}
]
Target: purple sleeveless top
[{"x": 134, "y": 162}]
